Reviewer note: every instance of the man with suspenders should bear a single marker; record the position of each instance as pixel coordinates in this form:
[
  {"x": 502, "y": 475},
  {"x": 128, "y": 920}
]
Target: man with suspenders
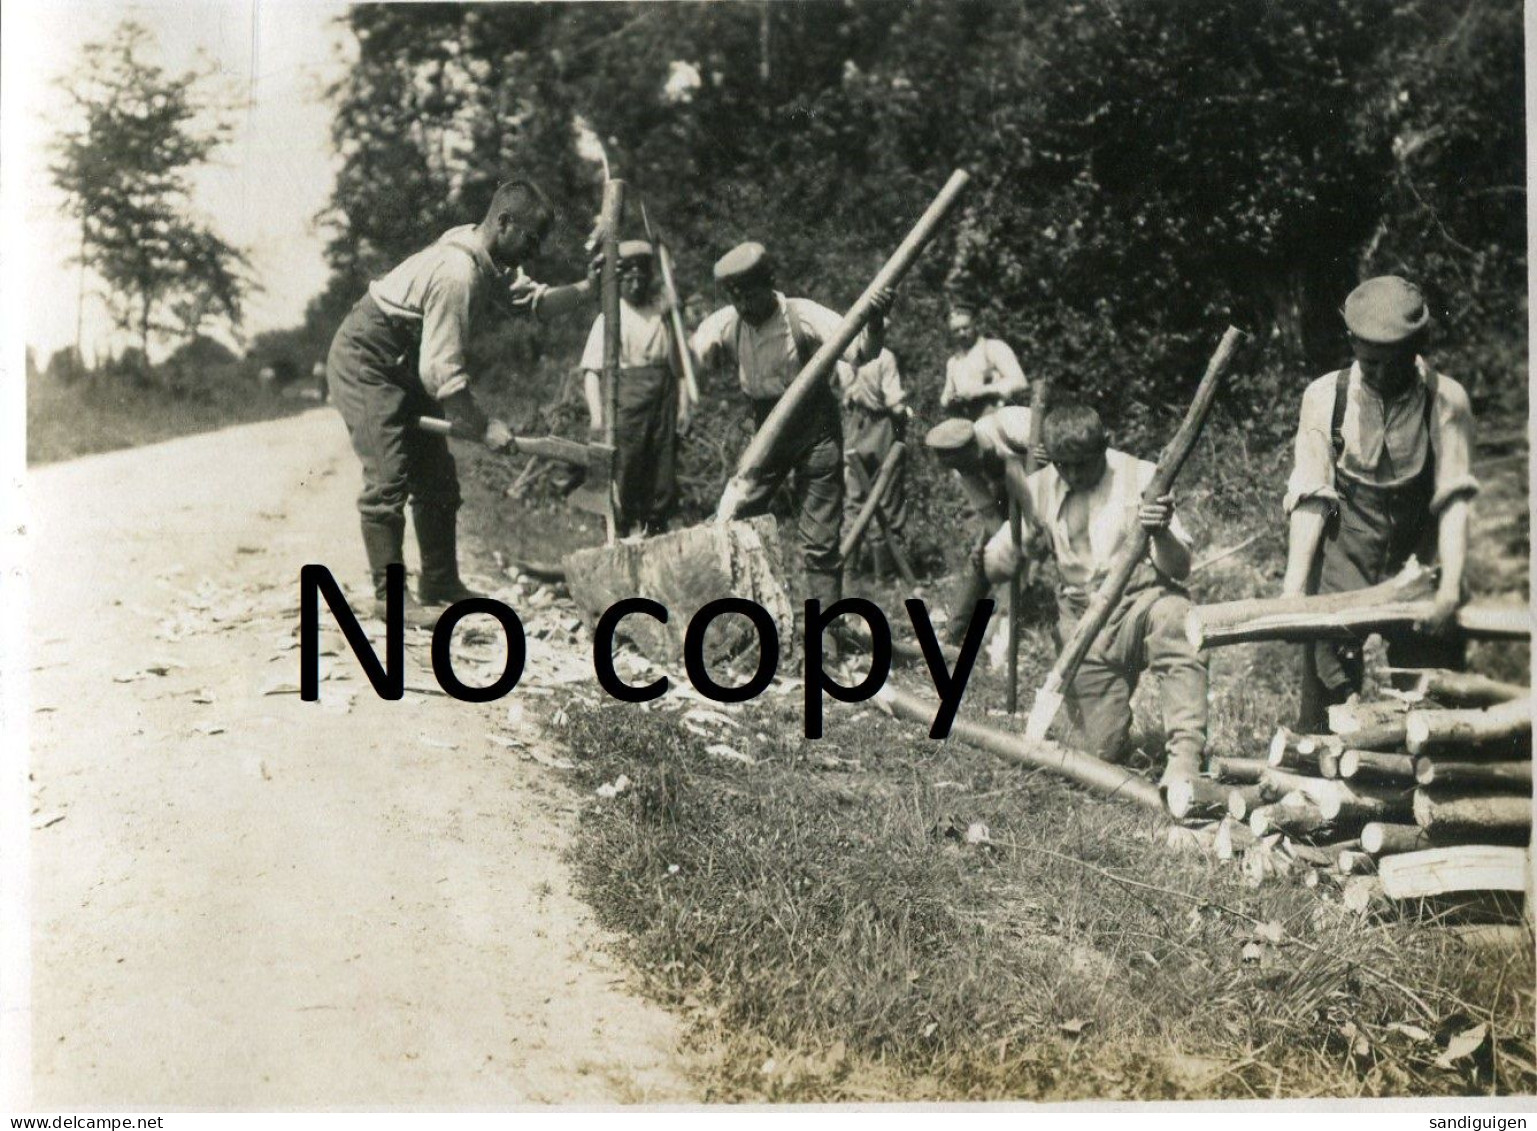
[
  {"x": 770, "y": 338},
  {"x": 1382, "y": 473},
  {"x": 400, "y": 355}
]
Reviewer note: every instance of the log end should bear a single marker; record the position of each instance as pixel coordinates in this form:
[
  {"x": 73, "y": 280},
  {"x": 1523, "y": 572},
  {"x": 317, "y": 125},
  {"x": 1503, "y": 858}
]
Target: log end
[
  {"x": 1278, "y": 743},
  {"x": 1416, "y": 732},
  {"x": 1424, "y": 771},
  {"x": 1372, "y": 835},
  {"x": 1350, "y": 764},
  {"x": 1178, "y": 796}
]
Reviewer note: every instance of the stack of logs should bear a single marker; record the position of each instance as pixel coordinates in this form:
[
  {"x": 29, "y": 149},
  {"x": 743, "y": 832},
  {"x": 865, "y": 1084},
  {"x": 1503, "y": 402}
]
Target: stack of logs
[{"x": 1424, "y": 793}]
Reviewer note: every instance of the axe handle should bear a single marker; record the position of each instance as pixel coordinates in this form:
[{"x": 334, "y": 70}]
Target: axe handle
[
  {"x": 556, "y": 448},
  {"x": 771, "y": 432},
  {"x": 675, "y": 316}
]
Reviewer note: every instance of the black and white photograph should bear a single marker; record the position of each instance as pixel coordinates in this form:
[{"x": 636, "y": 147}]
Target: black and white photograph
[{"x": 751, "y": 553}]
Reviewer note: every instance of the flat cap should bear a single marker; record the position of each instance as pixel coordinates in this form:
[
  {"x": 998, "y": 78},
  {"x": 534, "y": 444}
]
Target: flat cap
[
  {"x": 742, "y": 260},
  {"x": 1386, "y": 310},
  {"x": 950, "y": 435},
  {"x": 635, "y": 249}
]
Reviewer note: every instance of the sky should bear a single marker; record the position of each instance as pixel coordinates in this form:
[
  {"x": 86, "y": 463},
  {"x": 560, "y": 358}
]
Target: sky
[{"x": 273, "y": 59}]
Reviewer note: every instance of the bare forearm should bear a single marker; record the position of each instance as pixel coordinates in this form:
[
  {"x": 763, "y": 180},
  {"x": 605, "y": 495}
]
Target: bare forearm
[
  {"x": 1452, "y": 546},
  {"x": 560, "y": 301},
  {"x": 592, "y": 393},
  {"x": 1170, "y": 555},
  {"x": 1304, "y": 534}
]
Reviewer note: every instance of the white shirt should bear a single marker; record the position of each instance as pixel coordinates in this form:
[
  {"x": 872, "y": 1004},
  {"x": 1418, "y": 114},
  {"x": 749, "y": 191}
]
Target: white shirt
[
  {"x": 439, "y": 287},
  {"x": 875, "y": 385},
  {"x": 645, "y": 338},
  {"x": 987, "y": 364},
  {"x": 765, "y": 354},
  {"x": 1086, "y": 528}
]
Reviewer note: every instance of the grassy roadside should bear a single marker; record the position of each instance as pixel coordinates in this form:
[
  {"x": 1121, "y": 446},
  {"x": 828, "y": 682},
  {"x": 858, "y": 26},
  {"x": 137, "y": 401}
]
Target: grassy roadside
[
  {"x": 822, "y": 921},
  {"x": 102, "y": 415}
]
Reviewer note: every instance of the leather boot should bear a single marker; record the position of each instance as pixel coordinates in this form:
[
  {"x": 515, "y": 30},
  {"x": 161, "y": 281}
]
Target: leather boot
[
  {"x": 437, "y": 536},
  {"x": 382, "y": 540}
]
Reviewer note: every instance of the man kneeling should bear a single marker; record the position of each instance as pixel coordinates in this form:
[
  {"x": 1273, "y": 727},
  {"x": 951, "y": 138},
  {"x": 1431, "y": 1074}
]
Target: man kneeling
[{"x": 1080, "y": 507}]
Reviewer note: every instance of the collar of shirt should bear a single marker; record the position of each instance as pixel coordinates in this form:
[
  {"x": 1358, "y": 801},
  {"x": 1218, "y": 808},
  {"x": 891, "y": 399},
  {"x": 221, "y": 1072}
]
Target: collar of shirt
[
  {"x": 1385, "y": 441},
  {"x": 464, "y": 237},
  {"x": 1109, "y": 505}
]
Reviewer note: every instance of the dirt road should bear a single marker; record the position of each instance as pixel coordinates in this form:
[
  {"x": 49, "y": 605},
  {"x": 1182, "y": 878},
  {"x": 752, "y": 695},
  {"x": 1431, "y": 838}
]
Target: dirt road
[{"x": 245, "y": 901}]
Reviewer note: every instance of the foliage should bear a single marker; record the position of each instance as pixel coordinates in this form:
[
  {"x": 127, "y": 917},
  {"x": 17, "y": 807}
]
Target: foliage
[{"x": 123, "y": 164}]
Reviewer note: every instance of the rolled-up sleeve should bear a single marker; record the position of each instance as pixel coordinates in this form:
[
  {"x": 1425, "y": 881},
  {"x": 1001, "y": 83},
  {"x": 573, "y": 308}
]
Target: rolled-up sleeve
[
  {"x": 592, "y": 353},
  {"x": 709, "y": 340},
  {"x": 824, "y": 325},
  {"x": 891, "y": 382},
  {"x": 1312, "y": 474},
  {"x": 445, "y": 328},
  {"x": 1145, "y": 473},
  {"x": 1453, "y": 439}
]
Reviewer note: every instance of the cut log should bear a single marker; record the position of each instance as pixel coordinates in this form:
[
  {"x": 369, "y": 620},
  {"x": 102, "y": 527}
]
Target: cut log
[
  {"x": 1347, "y": 719},
  {"x": 1378, "y": 766},
  {"x": 1395, "y": 604},
  {"x": 1366, "y": 804},
  {"x": 1190, "y": 838},
  {"x": 683, "y": 571},
  {"x": 1508, "y": 776},
  {"x": 1500, "y": 731},
  {"x": 1243, "y": 800},
  {"x": 1295, "y": 815},
  {"x": 1239, "y": 771},
  {"x": 1436, "y": 809},
  {"x": 1318, "y": 855},
  {"x": 1439, "y": 871},
  {"x": 1328, "y": 763},
  {"x": 1292, "y": 751},
  {"x": 1354, "y": 862},
  {"x": 1382, "y": 839},
  {"x": 1233, "y": 837},
  {"x": 1456, "y": 689},
  {"x": 1195, "y": 798}
]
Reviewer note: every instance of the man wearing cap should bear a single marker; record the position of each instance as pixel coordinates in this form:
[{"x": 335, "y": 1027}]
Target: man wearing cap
[
  {"x": 1081, "y": 505},
  {"x": 1382, "y": 473},
  {"x": 654, "y": 404},
  {"x": 770, "y": 338},
  {"x": 987, "y": 456},
  {"x": 981, "y": 373},
  {"x": 400, "y": 355},
  {"x": 875, "y": 416}
]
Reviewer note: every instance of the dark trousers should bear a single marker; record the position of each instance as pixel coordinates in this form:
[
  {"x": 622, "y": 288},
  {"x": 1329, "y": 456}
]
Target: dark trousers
[
  {"x": 371, "y": 372},
  {"x": 811, "y": 450},
  {"x": 646, "y": 446},
  {"x": 867, "y": 437},
  {"x": 1369, "y": 539}
]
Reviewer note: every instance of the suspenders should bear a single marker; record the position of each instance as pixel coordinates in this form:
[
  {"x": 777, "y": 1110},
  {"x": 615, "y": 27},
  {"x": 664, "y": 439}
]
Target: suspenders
[{"x": 1337, "y": 423}]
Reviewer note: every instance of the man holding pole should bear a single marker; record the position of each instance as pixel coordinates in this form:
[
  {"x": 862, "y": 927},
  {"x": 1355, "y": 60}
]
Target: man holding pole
[
  {"x": 400, "y": 354},
  {"x": 875, "y": 413},
  {"x": 653, "y": 399},
  {"x": 770, "y": 338},
  {"x": 1382, "y": 473},
  {"x": 1082, "y": 505}
]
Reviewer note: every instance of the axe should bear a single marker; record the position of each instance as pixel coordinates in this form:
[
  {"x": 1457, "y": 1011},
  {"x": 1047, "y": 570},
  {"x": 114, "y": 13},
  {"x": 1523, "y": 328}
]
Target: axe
[{"x": 594, "y": 462}]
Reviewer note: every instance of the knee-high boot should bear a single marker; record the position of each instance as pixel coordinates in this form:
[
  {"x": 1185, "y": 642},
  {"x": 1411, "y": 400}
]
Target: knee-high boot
[{"x": 437, "y": 536}]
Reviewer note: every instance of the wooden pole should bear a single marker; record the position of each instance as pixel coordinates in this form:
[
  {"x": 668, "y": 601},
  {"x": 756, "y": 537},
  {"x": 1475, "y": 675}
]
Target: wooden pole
[
  {"x": 675, "y": 317},
  {"x": 893, "y": 543},
  {"x": 761, "y": 448},
  {"x": 1048, "y": 700},
  {"x": 1458, "y": 689},
  {"x": 612, "y": 217},
  {"x": 1016, "y": 537},
  {"x": 1102, "y": 777},
  {"x": 1509, "y": 776},
  {"x": 873, "y": 495},
  {"x": 1505, "y": 729},
  {"x": 1435, "y": 810}
]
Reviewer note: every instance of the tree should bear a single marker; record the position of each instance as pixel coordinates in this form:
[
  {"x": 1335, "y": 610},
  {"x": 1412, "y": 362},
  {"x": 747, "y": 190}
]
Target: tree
[{"x": 123, "y": 166}]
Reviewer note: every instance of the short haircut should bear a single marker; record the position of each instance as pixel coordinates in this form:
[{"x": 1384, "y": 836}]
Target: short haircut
[
  {"x": 1073, "y": 432},
  {"x": 524, "y": 201}
]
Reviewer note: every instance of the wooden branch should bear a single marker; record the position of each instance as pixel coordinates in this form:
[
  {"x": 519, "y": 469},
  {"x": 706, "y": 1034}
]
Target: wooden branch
[
  {"x": 1496, "y": 814},
  {"x": 1376, "y": 765},
  {"x": 1503, "y": 730},
  {"x": 1509, "y": 776},
  {"x": 1382, "y": 839},
  {"x": 1348, "y": 719},
  {"x": 1457, "y": 689},
  {"x": 1397, "y": 603},
  {"x": 1438, "y": 871},
  {"x": 1241, "y": 771},
  {"x": 1189, "y": 798},
  {"x": 1295, "y": 814},
  {"x": 1340, "y": 800},
  {"x": 1292, "y": 751},
  {"x": 1102, "y": 777}
]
